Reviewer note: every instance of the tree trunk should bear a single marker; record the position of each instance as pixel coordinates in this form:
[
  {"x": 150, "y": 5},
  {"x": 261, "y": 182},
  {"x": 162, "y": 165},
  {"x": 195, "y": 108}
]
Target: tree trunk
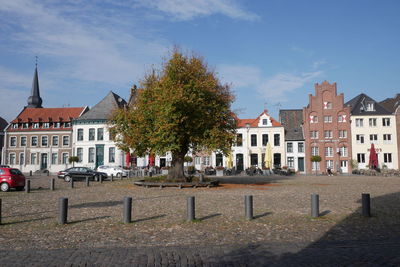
[{"x": 176, "y": 171}]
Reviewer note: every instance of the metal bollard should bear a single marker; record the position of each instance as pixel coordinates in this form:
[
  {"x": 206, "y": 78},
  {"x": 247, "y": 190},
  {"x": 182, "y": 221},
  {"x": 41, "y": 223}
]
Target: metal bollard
[
  {"x": 101, "y": 178},
  {"x": 127, "y": 210},
  {"x": 201, "y": 178},
  {"x": 191, "y": 214},
  {"x": 151, "y": 174},
  {"x": 248, "y": 207},
  {"x": 63, "y": 210},
  {"x": 112, "y": 177},
  {"x": 314, "y": 205},
  {"x": 366, "y": 205},
  {"x": 72, "y": 182},
  {"x": 30, "y": 173},
  {"x": 87, "y": 181},
  {"x": 48, "y": 173},
  {"x": 52, "y": 183},
  {"x": 28, "y": 186}
]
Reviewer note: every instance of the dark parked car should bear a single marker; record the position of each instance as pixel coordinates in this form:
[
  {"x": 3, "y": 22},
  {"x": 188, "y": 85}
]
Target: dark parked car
[
  {"x": 11, "y": 178},
  {"x": 80, "y": 173}
]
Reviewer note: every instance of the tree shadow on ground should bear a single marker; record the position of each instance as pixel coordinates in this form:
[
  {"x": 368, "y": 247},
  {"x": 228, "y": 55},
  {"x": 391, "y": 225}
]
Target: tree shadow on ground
[
  {"x": 252, "y": 179},
  {"x": 356, "y": 240},
  {"x": 96, "y": 204}
]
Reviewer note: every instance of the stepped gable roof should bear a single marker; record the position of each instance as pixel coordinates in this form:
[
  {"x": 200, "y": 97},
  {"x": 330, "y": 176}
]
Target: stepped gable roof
[
  {"x": 391, "y": 103},
  {"x": 3, "y": 124},
  {"x": 292, "y": 121},
  {"x": 254, "y": 122},
  {"x": 49, "y": 114},
  {"x": 104, "y": 109},
  {"x": 358, "y": 106}
]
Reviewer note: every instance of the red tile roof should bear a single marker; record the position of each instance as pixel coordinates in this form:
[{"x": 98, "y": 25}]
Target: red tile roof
[
  {"x": 48, "y": 114},
  {"x": 254, "y": 122}
]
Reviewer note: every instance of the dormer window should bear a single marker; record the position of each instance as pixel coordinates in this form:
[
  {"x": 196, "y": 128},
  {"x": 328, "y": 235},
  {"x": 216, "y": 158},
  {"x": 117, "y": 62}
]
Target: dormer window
[
  {"x": 25, "y": 125},
  {"x": 46, "y": 125},
  {"x": 35, "y": 125},
  {"x": 265, "y": 122},
  {"x": 67, "y": 124},
  {"x": 15, "y": 126},
  {"x": 370, "y": 106},
  {"x": 56, "y": 125}
]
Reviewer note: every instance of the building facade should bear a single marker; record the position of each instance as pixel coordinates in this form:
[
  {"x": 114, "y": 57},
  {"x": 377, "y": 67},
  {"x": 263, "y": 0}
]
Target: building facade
[
  {"x": 3, "y": 125},
  {"x": 327, "y": 131},
  {"x": 92, "y": 142},
  {"x": 292, "y": 121}
]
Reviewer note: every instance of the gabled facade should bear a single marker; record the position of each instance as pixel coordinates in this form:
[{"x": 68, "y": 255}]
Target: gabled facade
[
  {"x": 40, "y": 139},
  {"x": 371, "y": 123},
  {"x": 327, "y": 131},
  {"x": 92, "y": 142},
  {"x": 292, "y": 121}
]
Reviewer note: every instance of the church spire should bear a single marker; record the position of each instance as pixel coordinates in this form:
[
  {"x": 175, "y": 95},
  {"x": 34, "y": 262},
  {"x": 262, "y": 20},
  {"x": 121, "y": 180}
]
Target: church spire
[{"x": 35, "y": 101}]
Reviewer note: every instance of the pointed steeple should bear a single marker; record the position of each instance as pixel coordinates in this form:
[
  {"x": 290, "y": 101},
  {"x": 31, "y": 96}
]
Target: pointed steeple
[{"x": 35, "y": 101}]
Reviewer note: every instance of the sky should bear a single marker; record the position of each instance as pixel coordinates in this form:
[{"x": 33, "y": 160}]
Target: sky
[{"x": 271, "y": 52}]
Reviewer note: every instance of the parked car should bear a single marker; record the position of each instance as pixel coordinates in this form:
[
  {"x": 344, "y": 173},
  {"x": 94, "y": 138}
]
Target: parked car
[
  {"x": 11, "y": 178},
  {"x": 80, "y": 173},
  {"x": 113, "y": 170}
]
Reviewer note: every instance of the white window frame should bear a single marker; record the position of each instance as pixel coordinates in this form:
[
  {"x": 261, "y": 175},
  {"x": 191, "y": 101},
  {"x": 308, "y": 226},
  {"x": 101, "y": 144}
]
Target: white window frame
[
  {"x": 372, "y": 122},
  {"x": 300, "y": 147},
  {"x": 314, "y": 134},
  {"x": 20, "y": 141},
  {"x": 328, "y": 134},
  {"x": 22, "y": 162},
  {"x": 359, "y": 123},
  {"x": 328, "y": 151},
  {"x": 25, "y": 125},
  {"x": 56, "y": 125},
  {"x": 342, "y": 133},
  {"x": 343, "y": 151},
  {"x": 33, "y": 155},
  {"x": 79, "y": 155},
  {"x": 290, "y": 162},
  {"x": 387, "y": 138},
  {"x": 387, "y": 158},
  {"x": 35, "y": 125},
  {"x": 56, "y": 158},
  {"x": 41, "y": 140},
  {"x": 373, "y": 141},
  {"x": 314, "y": 151},
  {"x": 291, "y": 147},
  {"x": 327, "y": 119},
  {"x": 62, "y": 157},
  {"x": 361, "y": 157},
  {"x": 14, "y": 126},
  {"x": 69, "y": 140},
  {"x": 386, "y": 122},
  {"x": 9, "y": 158},
  {"x": 52, "y": 140},
  {"x": 15, "y": 139},
  {"x": 46, "y": 125},
  {"x": 37, "y": 140},
  {"x": 360, "y": 139}
]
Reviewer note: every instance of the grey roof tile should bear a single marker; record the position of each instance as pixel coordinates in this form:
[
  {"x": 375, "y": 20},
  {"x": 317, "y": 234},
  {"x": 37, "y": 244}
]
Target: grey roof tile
[
  {"x": 358, "y": 106},
  {"x": 292, "y": 121}
]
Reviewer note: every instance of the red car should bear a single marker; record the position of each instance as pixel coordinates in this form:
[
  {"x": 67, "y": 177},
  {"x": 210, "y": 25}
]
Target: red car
[{"x": 11, "y": 178}]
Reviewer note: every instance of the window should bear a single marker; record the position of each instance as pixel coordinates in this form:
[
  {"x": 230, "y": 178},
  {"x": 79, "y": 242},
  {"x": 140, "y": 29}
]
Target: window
[
  {"x": 300, "y": 147},
  {"x": 342, "y": 134},
  {"x": 387, "y": 138},
  {"x": 264, "y": 139},
  {"x": 254, "y": 159},
  {"x": 35, "y": 125},
  {"x": 100, "y": 134},
  {"x": 343, "y": 151},
  {"x": 67, "y": 124},
  {"x": 12, "y": 159},
  {"x": 314, "y": 119},
  {"x": 54, "y": 140},
  {"x": 64, "y": 158},
  {"x": 361, "y": 158},
  {"x": 56, "y": 125},
  {"x": 314, "y": 134},
  {"x": 66, "y": 140},
  {"x": 80, "y": 135},
  {"x": 387, "y": 157},
  {"x": 53, "y": 158},
  {"x": 33, "y": 158},
  {"x": 327, "y": 105},
  {"x": 329, "y": 164},
  {"x": 239, "y": 140},
  {"x": 265, "y": 121},
  {"x": 277, "y": 139},
  {"x": 25, "y": 125},
  {"x": 290, "y": 162},
  {"x": 370, "y": 106},
  {"x": 15, "y": 126},
  {"x": 372, "y": 122},
  {"x": 314, "y": 151},
  {"x": 111, "y": 155},
  {"x": 359, "y": 122},
  {"x": 385, "y": 122},
  {"x": 373, "y": 138},
  {"x": 360, "y": 138},
  {"x": 328, "y": 119},
  {"x": 23, "y": 140},
  {"x": 44, "y": 140},
  {"x": 290, "y": 147},
  {"x": 253, "y": 140},
  {"x": 206, "y": 160},
  {"x": 46, "y": 125},
  {"x": 197, "y": 160},
  {"x": 91, "y": 154},
  {"x": 21, "y": 158},
  {"x": 13, "y": 141},
  {"x": 328, "y": 151},
  {"x": 91, "y": 134},
  {"x": 315, "y": 166},
  {"x": 219, "y": 159},
  {"x": 34, "y": 141},
  {"x": 328, "y": 134},
  {"x": 79, "y": 154}
]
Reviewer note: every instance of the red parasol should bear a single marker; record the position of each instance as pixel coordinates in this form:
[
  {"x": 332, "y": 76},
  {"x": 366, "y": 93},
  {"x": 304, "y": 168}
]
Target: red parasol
[
  {"x": 373, "y": 158},
  {"x": 128, "y": 159},
  {"x": 151, "y": 160}
]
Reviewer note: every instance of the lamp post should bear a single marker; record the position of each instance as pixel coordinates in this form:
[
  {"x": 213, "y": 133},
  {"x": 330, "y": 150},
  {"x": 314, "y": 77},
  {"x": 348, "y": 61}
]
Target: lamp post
[{"x": 247, "y": 144}]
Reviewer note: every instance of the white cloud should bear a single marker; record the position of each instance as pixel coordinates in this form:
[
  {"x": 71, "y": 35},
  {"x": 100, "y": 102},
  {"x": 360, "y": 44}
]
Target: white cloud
[
  {"x": 317, "y": 64},
  {"x": 239, "y": 75},
  {"x": 187, "y": 10}
]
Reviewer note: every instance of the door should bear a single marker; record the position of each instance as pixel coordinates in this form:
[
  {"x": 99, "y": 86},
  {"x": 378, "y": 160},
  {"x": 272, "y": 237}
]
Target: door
[
  {"x": 343, "y": 166},
  {"x": 277, "y": 160},
  {"x": 300, "y": 164},
  {"x": 163, "y": 162},
  {"x": 43, "y": 161},
  {"x": 239, "y": 162},
  {"x": 99, "y": 155}
]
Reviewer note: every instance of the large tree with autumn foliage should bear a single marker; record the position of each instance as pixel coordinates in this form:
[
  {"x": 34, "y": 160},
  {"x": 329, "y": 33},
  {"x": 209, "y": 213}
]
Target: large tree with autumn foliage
[{"x": 179, "y": 108}]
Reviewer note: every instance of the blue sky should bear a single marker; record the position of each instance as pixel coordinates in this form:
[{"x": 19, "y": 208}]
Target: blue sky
[{"x": 271, "y": 51}]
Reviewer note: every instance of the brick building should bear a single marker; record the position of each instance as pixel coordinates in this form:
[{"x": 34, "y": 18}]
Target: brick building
[{"x": 327, "y": 130}]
